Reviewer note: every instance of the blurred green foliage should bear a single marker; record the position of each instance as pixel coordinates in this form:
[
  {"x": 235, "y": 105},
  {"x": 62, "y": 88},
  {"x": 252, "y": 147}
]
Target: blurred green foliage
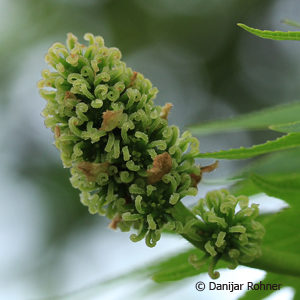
[{"x": 192, "y": 50}]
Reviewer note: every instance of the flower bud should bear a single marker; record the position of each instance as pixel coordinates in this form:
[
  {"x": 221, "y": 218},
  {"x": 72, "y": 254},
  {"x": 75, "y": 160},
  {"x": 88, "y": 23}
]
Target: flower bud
[{"x": 227, "y": 232}]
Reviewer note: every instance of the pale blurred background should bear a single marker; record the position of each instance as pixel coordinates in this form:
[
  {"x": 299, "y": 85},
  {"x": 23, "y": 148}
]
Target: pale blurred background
[{"x": 199, "y": 59}]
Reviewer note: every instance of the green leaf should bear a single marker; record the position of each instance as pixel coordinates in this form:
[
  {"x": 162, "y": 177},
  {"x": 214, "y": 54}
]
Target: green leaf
[
  {"x": 273, "y": 35},
  {"x": 269, "y": 177},
  {"x": 175, "y": 261},
  {"x": 287, "y": 127},
  {"x": 282, "y": 230},
  {"x": 281, "y": 162},
  {"x": 174, "y": 267},
  {"x": 277, "y": 175},
  {"x": 272, "y": 278},
  {"x": 245, "y": 187},
  {"x": 275, "y": 165},
  {"x": 285, "y": 187},
  {"x": 256, "y": 120},
  {"x": 261, "y": 293},
  {"x": 291, "y": 23},
  {"x": 288, "y": 141},
  {"x": 180, "y": 268},
  {"x": 282, "y": 234}
]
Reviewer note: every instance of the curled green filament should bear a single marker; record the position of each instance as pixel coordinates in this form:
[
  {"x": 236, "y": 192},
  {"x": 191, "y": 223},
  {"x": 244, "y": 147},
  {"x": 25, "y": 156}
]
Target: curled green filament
[{"x": 229, "y": 233}]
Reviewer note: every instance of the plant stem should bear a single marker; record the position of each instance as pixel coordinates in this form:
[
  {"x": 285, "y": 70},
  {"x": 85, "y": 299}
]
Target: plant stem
[
  {"x": 182, "y": 214},
  {"x": 277, "y": 262}
]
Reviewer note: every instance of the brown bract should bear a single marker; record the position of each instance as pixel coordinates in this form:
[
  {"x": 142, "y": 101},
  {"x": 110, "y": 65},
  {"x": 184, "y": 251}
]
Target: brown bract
[
  {"x": 132, "y": 79},
  {"x": 210, "y": 168},
  {"x": 162, "y": 164},
  {"x": 57, "y": 131},
  {"x": 165, "y": 111},
  {"x": 195, "y": 179},
  {"x": 111, "y": 119},
  {"x": 69, "y": 95},
  {"x": 114, "y": 222},
  {"x": 92, "y": 170}
]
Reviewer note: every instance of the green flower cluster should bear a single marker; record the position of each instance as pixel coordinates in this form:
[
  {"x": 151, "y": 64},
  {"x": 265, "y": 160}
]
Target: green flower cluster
[
  {"x": 128, "y": 163},
  {"x": 227, "y": 233}
]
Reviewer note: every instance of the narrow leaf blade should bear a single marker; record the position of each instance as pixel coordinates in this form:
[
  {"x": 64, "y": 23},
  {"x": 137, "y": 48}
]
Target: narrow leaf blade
[
  {"x": 287, "y": 127},
  {"x": 273, "y": 35},
  {"x": 288, "y": 141},
  {"x": 256, "y": 120},
  {"x": 182, "y": 269},
  {"x": 272, "y": 278},
  {"x": 286, "y": 187},
  {"x": 291, "y": 23}
]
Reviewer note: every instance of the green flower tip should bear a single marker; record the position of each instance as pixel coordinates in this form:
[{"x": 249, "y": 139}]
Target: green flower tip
[
  {"x": 128, "y": 163},
  {"x": 227, "y": 232}
]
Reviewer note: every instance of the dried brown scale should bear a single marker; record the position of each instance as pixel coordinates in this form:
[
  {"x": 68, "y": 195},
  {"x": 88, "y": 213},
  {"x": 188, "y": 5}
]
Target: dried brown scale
[
  {"x": 115, "y": 221},
  {"x": 166, "y": 110},
  {"x": 92, "y": 170},
  {"x": 111, "y": 119},
  {"x": 57, "y": 131},
  {"x": 210, "y": 168},
  {"x": 195, "y": 179},
  {"x": 162, "y": 164}
]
